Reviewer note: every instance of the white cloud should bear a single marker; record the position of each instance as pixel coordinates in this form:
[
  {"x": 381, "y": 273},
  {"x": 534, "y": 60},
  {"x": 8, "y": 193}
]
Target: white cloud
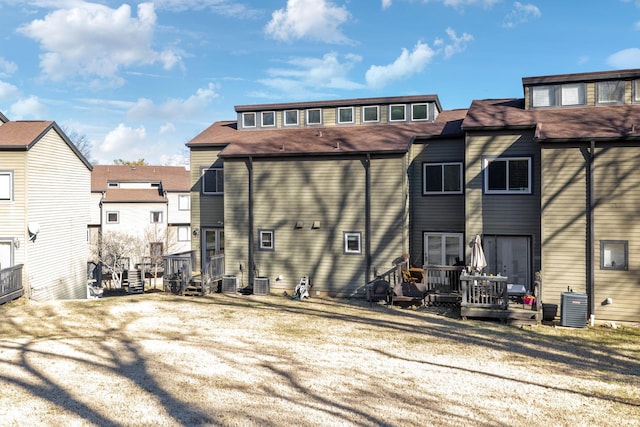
[
  {"x": 95, "y": 41},
  {"x": 386, "y": 4},
  {"x": 121, "y": 139},
  {"x": 520, "y": 14},
  {"x": 406, "y": 64},
  {"x": 167, "y": 128},
  {"x": 174, "y": 160},
  {"x": 28, "y": 108},
  {"x": 231, "y": 8},
  {"x": 310, "y": 74},
  {"x": 314, "y": 19},
  {"x": 457, "y": 45},
  {"x": 626, "y": 58},
  {"x": 173, "y": 109},
  {"x": 460, "y": 3},
  {"x": 8, "y": 92},
  {"x": 7, "y": 67}
]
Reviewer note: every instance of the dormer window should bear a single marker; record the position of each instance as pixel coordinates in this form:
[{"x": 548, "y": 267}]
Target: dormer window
[
  {"x": 558, "y": 95},
  {"x": 248, "y": 120},
  {"x": 314, "y": 116},
  {"x": 636, "y": 91},
  {"x": 345, "y": 115},
  {"x": 268, "y": 119},
  {"x": 397, "y": 113},
  {"x": 370, "y": 114},
  {"x": 611, "y": 92},
  {"x": 291, "y": 118},
  {"x": 419, "y": 112}
]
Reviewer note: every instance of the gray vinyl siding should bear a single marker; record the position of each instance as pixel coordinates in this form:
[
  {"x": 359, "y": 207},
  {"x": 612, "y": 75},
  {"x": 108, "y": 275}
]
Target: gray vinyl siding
[
  {"x": 236, "y": 235},
  {"x": 206, "y": 210},
  {"x": 59, "y": 194},
  {"x": 564, "y": 221},
  {"x": 617, "y": 199},
  {"x": 502, "y": 214},
  {"x": 433, "y": 213}
]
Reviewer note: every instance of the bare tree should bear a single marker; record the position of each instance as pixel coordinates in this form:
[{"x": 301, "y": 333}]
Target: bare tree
[
  {"x": 139, "y": 162},
  {"x": 114, "y": 251},
  {"x": 80, "y": 140}
]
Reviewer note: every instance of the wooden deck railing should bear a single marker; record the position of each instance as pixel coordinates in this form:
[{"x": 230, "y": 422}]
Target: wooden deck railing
[
  {"x": 178, "y": 271},
  {"x": 11, "y": 283},
  {"x": 484, "y": 292},
  {"x": 442, "y": 278}
]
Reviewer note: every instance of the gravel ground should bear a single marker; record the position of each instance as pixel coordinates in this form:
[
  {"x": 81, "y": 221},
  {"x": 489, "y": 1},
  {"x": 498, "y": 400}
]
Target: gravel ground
[{"x": 234, "y": 360}]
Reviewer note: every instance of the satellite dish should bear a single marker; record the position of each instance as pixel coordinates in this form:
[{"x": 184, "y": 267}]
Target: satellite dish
[{"x": 34, "y": 229}]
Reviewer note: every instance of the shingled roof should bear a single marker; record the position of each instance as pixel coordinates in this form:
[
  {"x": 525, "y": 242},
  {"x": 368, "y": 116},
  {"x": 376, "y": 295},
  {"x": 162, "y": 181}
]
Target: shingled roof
[
  {"x": 327, "y": 140},
  {"x": 173, "y": 178},
  {"x": 613, "y": 122}
]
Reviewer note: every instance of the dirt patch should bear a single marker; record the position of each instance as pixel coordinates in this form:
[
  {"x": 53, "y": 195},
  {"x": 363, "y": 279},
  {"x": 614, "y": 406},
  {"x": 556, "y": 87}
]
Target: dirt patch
[{"x": 158, "y": 359}]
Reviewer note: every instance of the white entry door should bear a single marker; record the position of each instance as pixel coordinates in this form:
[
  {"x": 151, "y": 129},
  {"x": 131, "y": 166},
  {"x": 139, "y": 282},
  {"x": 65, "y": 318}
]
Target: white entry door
[{"x": 509, "y": 256}]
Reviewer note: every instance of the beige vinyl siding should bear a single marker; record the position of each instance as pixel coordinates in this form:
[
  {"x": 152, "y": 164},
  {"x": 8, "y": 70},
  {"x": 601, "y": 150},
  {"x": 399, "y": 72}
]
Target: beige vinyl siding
[
  {"x": 206, "y": 210},
  {"x": 389, "y": 211},
  {"x": 13, "y": 214},
  {"x": 564, "y": 221},
  {"x": 617, "y": 200},
  {"x": 59, "y": 194},
  {"x": 236, "y": 249},
  {"x": 433, "y": 213},
  {"x": 502, "y": 214}
]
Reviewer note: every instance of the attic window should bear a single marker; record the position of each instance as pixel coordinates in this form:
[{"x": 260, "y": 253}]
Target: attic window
[
  {"x": 636, "y": 91},
  {"x": 268, "y": 118},
  {"x": 345, "y": 115},
  {"x": 610, "y": 92},
  {"x": 397, "y": 113},
  {"x": 419, "y": 112},
  {"x": 291, "y": 118},
  {"x": 248, "y": 120},
  {"x": 314, "y": 116},
  {"x": 370, "y": 114},
  {"x": 558, "y": 95}
]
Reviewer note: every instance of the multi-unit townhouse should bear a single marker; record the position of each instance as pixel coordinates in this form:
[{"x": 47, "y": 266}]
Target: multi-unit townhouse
[
  {"x": 45, "y": 188},
  {"x": 150, "y": 203},
  {"x": 336, "y": 190}
]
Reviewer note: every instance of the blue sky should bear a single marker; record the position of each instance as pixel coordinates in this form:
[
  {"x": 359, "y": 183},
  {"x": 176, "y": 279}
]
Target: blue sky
[{"x": 141, "y": 79}]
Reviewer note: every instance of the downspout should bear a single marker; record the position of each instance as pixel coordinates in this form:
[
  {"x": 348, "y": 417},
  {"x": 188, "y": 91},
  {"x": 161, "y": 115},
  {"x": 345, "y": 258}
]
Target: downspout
[
  {"x": 591, "y": 233},
  {"x": 367, "y": 209},
  {"x": 249, "y": 267}
]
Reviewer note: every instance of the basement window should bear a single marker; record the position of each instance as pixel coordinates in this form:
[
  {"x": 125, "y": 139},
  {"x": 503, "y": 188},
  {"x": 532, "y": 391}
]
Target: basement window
[{"x": 614, "y": 254}]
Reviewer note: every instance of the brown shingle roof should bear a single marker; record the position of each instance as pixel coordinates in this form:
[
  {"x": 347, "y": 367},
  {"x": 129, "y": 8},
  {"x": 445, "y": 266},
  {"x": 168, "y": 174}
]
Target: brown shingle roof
[
  {"x": 117, "y": 195},
  {"x": 173, "y": 178},
  {"x": 574, "y": 123},
  {"x": 21, "y": 135},
  {"x": 329, "y": 140}
]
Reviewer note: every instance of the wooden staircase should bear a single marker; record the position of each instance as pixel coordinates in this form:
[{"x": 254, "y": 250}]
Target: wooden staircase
[{"x": 136, "y": 284}]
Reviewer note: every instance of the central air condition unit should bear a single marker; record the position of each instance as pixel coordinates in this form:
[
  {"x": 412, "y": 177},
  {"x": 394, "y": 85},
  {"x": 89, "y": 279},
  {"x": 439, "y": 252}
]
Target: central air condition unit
[
  {"x": 573, "y": 311},
  {"x": 229, "y": 284},
  {"x": 261, "y": 286}
]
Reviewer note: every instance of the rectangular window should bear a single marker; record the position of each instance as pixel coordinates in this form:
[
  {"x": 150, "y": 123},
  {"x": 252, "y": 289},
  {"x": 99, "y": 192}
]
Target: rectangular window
[
  {"x": 554, "y": 95},
  {"x": 113, "y": 217},
  {"x": 370, "y": 114},
  {"x": 636, "y": 91},
  {"x": 266, "y": 240},
  {"x": 610, "y": 92},
  {"x": 184, "y": 233},
  {"x": 419, "y": 112},
  {"x": 248, "y": 120},
  {"x": 397, "y": 113},
  {"x": 507, "y": 175},
  {"x": 291, "y": 118},
  {"x": 439, "y": 178},
  {"x": 184, "y": 202},
  {"x": 614, "y": 254},
  {"x": 314, "y": 116},
  {"x": 542, "y": 96},
  {"x": 352, "y": 242},
  {"x": 572, "y": 94},
  {"x": 212, "y": 181},
  {"x": 6, "y": 186},
  {"x": 156, "y": 217},
  {"x": 345, "y": 115},
  {"x": 443, "y": 248},
  {"x": 268, "y": 119}
]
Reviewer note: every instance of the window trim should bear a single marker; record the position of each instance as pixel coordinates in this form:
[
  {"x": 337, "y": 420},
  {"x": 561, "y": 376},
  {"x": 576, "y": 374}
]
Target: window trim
[
  {"x": 10, "y": 175},
  {"x": 203, "y": 171},
  {"x": 404, "y": 113},
  {"x": 555, "y": 95},
  {"x": 635, "y": 89},
  {"x": 244, "y": 120},
  {"x": 363, "y": 113},
  {"x": 186, "y": 230},
  {"x": 613, "y": 266},
  {"x": 188, "y": 202},
  {"x": 426, "y": 106},
  {"x": 353, "y": 115},
  {"x": 615, "y": 101},
  {"x": 261, "y": 242},
  {"x": 443, "y": 243},
  {"x": 442, "y": 166},
  {"x": 285, "y": 117},
  {"x": 160, "y": 217},
  {"x": 319, "y": 110},
  {"x": 116, "y": 213},
  {"x": 345, "y": 247},
  {"x": 262, "y": 115},
  {"x": 485, "y": 170}
]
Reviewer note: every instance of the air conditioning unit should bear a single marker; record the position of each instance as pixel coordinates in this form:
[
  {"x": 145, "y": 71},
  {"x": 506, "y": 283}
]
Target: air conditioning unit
[
  {"x": 229, "y": 284},
  {"x": 573, "y": 310},
  {"x": 261, "y": 286}
]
